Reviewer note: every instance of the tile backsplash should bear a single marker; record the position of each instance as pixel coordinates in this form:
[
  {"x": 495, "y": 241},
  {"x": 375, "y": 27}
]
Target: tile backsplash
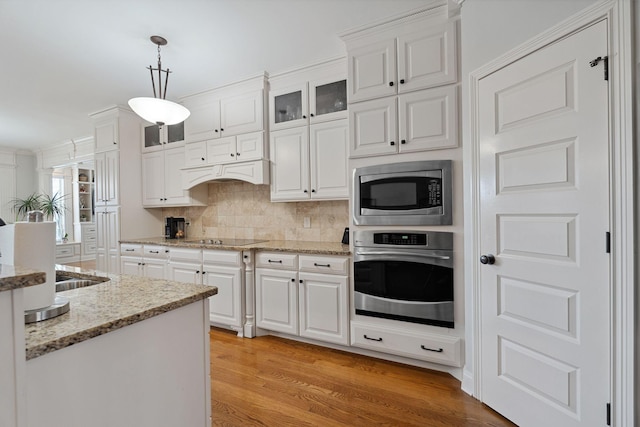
[{"x": 243, "y": 210}]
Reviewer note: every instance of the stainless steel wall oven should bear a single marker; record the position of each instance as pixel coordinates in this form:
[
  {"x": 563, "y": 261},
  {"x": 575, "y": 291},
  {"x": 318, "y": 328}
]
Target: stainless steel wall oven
[{"x": 404, "y": 275}]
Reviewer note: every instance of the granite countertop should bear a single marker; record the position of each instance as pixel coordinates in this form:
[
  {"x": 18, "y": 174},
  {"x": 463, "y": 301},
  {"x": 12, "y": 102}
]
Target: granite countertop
[
  {"x": 15, "y": 277},
  {"x": 107, "y": 306},
  {"x": 320, "y": 248}
]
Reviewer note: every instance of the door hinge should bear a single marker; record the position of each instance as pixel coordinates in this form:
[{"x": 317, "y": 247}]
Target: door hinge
[
  {"x": 604, "y": 59},
  {"x": 608, "y": 414},
  {"x": 608, "y": 242}
]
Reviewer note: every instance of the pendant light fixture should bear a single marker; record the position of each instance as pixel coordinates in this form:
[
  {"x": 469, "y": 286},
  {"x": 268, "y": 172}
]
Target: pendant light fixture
[{"x": 157, "y": 109}]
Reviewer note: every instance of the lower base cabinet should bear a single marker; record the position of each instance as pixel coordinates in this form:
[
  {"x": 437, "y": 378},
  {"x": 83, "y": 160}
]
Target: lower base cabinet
[
  {"x": 223, "y": 269},
  {"x": 429, "y": 347},
  {"x": 144, "y": 261},
  {"x": 304, "y": 295}
]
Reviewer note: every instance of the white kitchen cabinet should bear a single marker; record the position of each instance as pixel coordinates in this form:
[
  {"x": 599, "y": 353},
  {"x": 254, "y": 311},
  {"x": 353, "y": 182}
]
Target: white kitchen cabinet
[
  {"x": 107, "y": 178},
  {"x": 144, "y": 261},
  {"x": 309, "y": 95},
  {"x": 162, "y": 180},
  {"x": 67, "y": 252},
  {"x": 233, "y": 110},
  {"x": 89, "y": 237},
  {"x": 231, "y": 149},
  {"x": 277, "y": 300},
  {"x": 223, "y": 269},
  {"x": 441, "y": 349},
  {"x": 310, "y": 163},
  {"x": 195, "y": 154},
  {"x": 155, "y": 137},
  {"x": 106, "y": 134},
  {"x": 398, "y": 59},
  {"x": 412, "y": 122},
  {"x": 305, "y": 295},
  {"x": 108, "y": 235}
]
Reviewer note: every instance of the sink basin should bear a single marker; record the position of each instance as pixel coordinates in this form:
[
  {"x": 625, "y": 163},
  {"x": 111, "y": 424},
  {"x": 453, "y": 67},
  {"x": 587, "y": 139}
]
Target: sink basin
[
  {"x": 74, "y": 283},
  {"x": 65, "y": 283}
]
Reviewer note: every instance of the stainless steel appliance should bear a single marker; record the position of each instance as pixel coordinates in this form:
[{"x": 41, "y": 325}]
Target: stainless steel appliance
[
  {"x": 404, "y": 275},
  {"x": 409, "y": 193},
  {"x": 174, "y": 228}
]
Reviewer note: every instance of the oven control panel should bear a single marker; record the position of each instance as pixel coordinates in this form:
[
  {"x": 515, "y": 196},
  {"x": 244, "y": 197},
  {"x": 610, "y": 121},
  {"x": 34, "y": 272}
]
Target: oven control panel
[{"x": 400, "y": 238}]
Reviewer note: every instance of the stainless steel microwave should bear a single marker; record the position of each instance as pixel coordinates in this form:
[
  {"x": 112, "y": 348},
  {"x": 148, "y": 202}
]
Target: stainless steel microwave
[{"x": 409, "y": 193}]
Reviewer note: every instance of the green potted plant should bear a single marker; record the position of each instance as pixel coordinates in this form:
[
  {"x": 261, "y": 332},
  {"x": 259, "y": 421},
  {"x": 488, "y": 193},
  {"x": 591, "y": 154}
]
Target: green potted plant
[
  {"x": 30, "y": 203},
  {"x": 52, "y": 205},
  {"x": 49, "y": 205}
]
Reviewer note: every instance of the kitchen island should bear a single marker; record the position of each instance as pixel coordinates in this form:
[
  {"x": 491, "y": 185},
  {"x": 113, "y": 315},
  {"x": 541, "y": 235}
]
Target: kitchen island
[
  {"x": 12, "y": 367},
  {"x": 131, "y": 351}
]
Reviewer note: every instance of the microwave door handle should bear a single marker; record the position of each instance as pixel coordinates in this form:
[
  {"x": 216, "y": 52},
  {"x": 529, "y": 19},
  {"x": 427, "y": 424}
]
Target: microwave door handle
[{"x": 395, "y": 254}]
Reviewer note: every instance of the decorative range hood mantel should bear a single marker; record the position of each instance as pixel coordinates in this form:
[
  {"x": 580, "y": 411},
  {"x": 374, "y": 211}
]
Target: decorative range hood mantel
[{"x": 255, "y": 172}]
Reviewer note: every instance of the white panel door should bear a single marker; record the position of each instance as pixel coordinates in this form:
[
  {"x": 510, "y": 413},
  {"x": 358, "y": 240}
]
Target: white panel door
[
  {"x": 220, "y": 151},
  {"x": 544, "y": 194},
  {"x": 242, "y": 113},
  {"x": 153, "y": 178},
  {"x": 112, "y": 177},
  {"x": 324, "y": 309},
  {"x": 154, "y": 268},
  {"x": 427, "y": 57},
  {"x": 372, "y": 69},
  {"x": 173, "y": 163},
  {"x": 250, "y": 146},
  {"x": 277, "y": 300},
  {"x": 204, "y": 121},
  {"x": 226, "y": 306},
  {"x": 184, "y": 272},
  {"x": 131, "y": 265},
  {"x": 373, "y": 128},
  {"x": 195, "y": 154},
  {"x": 328, "y": 159},
  {"x": 289, "y": 151},
  {"x": 428, "y": 119}
]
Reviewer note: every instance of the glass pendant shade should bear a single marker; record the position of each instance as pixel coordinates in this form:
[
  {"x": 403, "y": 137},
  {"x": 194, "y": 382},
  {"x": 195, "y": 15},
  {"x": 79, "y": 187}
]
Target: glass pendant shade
[{"x": 159, "y": 111}]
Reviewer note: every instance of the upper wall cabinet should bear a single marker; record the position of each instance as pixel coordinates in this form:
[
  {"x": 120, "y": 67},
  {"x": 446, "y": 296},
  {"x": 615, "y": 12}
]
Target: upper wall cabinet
[
  {"x": 414, "y": 53},
  {"x": 156, "y": 137},
  {"x": 233, "y": 110},
  {"x": 309, "y": 95}
]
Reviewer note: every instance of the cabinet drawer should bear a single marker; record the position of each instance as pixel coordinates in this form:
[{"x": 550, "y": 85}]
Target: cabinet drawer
[
  {"x": 222, "y": 257},
  {"x": 153, "y": 251},
  {"x": 429, "y": 347},
  {"x": 65, "y": 251},
  {"x": 279, "y": 260},
  {"x": 130, "y": 249},
  {"x": 184, "y": 254},
  {"x": 88, "y": 229},
  {"x": 324, "y": 264}
]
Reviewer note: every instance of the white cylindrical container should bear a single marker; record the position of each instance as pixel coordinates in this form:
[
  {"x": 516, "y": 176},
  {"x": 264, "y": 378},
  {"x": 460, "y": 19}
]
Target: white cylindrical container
[{"x": 32, "y": 245}]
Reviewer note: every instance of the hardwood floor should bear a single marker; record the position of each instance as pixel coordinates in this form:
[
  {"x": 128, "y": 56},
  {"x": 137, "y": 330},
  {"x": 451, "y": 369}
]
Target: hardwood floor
[{"x": 271, "y": 381}]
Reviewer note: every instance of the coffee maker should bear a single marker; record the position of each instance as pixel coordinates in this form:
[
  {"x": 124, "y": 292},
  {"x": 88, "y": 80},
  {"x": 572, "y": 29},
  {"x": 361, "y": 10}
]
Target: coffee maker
[{"x": 174, "y": 228}]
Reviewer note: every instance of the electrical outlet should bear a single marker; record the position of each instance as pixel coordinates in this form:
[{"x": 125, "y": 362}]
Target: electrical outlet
[{"x": 307, "y": 222}]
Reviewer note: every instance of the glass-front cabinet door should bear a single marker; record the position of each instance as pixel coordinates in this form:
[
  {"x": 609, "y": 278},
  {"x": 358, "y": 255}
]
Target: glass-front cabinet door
[
  {"x": 155, "y": 137},
  {"x": 327, "y": 100},
  {"x": 288, "y": 107}
]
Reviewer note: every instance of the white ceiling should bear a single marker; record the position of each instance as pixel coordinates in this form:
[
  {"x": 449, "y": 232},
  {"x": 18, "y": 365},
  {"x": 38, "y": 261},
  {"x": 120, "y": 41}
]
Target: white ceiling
[{"x": 64, "y": 59}]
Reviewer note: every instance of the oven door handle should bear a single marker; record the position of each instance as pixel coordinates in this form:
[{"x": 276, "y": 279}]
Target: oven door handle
[{"x": 396, "y": 254}]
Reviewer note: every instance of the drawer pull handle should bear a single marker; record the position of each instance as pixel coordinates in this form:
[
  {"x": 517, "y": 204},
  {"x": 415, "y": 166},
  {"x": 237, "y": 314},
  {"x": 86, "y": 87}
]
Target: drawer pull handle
[
  {"x": 315, "y": 264},
  {"x": 277, "y": 261},
  {"x": 129, "y": 250},
  {"x": 154, "y": 252},
  {"x": 372, "y": 339},
  {"x": 431, "y": 349}
]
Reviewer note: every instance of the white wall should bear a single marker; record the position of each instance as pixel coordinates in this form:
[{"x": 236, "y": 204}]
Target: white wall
[{"x": 489, "y": 29}]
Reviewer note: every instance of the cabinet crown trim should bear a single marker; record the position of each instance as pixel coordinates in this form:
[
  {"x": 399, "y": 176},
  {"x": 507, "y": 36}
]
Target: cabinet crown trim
[{"x": 435, "y": 9}]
